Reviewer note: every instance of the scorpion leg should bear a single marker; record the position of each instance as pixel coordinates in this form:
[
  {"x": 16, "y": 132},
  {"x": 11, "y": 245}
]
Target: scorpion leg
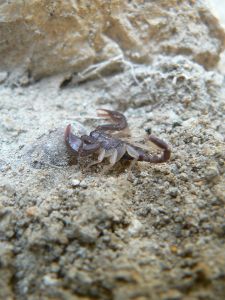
[
  {"x": 121, "y": 150},
  {"x": 114, "y": 156},
  {"x": 101, "y": 156},
  {"x": 112, "y": 160},
  {"x": 118, "y": 118},
  {"x": 135, "y": 154}
]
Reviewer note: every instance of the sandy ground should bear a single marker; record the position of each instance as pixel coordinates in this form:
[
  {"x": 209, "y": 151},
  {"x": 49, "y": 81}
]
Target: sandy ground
[
  {"x": 70, "y": 233},
  {"x": 66, "y": 233}
]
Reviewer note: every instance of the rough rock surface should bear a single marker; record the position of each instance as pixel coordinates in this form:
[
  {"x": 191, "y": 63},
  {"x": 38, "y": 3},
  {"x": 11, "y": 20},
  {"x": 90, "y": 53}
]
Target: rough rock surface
[
  {"x": 67, "y": 233},
  {"x": 40, "y": 38}
]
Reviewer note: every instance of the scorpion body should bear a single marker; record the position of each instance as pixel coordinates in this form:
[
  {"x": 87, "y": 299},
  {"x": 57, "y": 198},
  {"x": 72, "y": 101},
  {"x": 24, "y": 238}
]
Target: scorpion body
[{"x": 105, "y": 145}]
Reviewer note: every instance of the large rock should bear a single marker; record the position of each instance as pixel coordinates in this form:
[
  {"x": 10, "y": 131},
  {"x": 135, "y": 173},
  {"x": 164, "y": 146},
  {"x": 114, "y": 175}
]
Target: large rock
[{"x": 40, "y": 37}]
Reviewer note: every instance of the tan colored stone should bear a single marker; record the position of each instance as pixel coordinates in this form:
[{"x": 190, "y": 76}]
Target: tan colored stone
[{"x": 40, "y": 37}]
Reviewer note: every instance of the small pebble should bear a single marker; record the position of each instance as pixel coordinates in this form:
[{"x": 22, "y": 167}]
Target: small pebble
[
  {"x": 211, "y": 171},
  {"x": 32, "y": 211},
  {"x": 83, "y": 185},
  {"x": 144, "y": 174},
  {"x": 135, "y": 227},
  {"x": 49, "y": 280},
  {"x": 195, "y": 140},
  {"x": 173, "y": 191},
  {"x": 173, "y": 249},
  {"x": 75, "y": 182}
]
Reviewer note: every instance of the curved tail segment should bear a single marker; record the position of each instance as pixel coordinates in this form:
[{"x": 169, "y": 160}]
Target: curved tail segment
[{"x": 162, "y": 145}]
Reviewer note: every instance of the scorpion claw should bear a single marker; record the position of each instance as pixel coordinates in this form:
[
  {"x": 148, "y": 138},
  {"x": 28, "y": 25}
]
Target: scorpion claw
[
  {"x": 103, "y": 113},
  {"x": 80, "y": 146},
  {"x": 118, "y": 118},
  {"x": 73, "y": 142}
]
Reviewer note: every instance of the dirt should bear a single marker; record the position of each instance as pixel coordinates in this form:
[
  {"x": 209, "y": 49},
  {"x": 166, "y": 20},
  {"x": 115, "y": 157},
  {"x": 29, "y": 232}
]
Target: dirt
[
  {"x": 73, "y": 234},
  {"x": 67, "y": 232}
]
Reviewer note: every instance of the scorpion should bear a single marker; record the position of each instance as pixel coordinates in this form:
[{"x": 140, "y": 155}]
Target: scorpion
[{"x": 101, "y": 142}]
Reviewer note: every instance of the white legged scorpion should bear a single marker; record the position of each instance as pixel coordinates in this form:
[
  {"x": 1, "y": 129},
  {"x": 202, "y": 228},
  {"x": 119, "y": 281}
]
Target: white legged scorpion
[{"x": 105, "y": 145}]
